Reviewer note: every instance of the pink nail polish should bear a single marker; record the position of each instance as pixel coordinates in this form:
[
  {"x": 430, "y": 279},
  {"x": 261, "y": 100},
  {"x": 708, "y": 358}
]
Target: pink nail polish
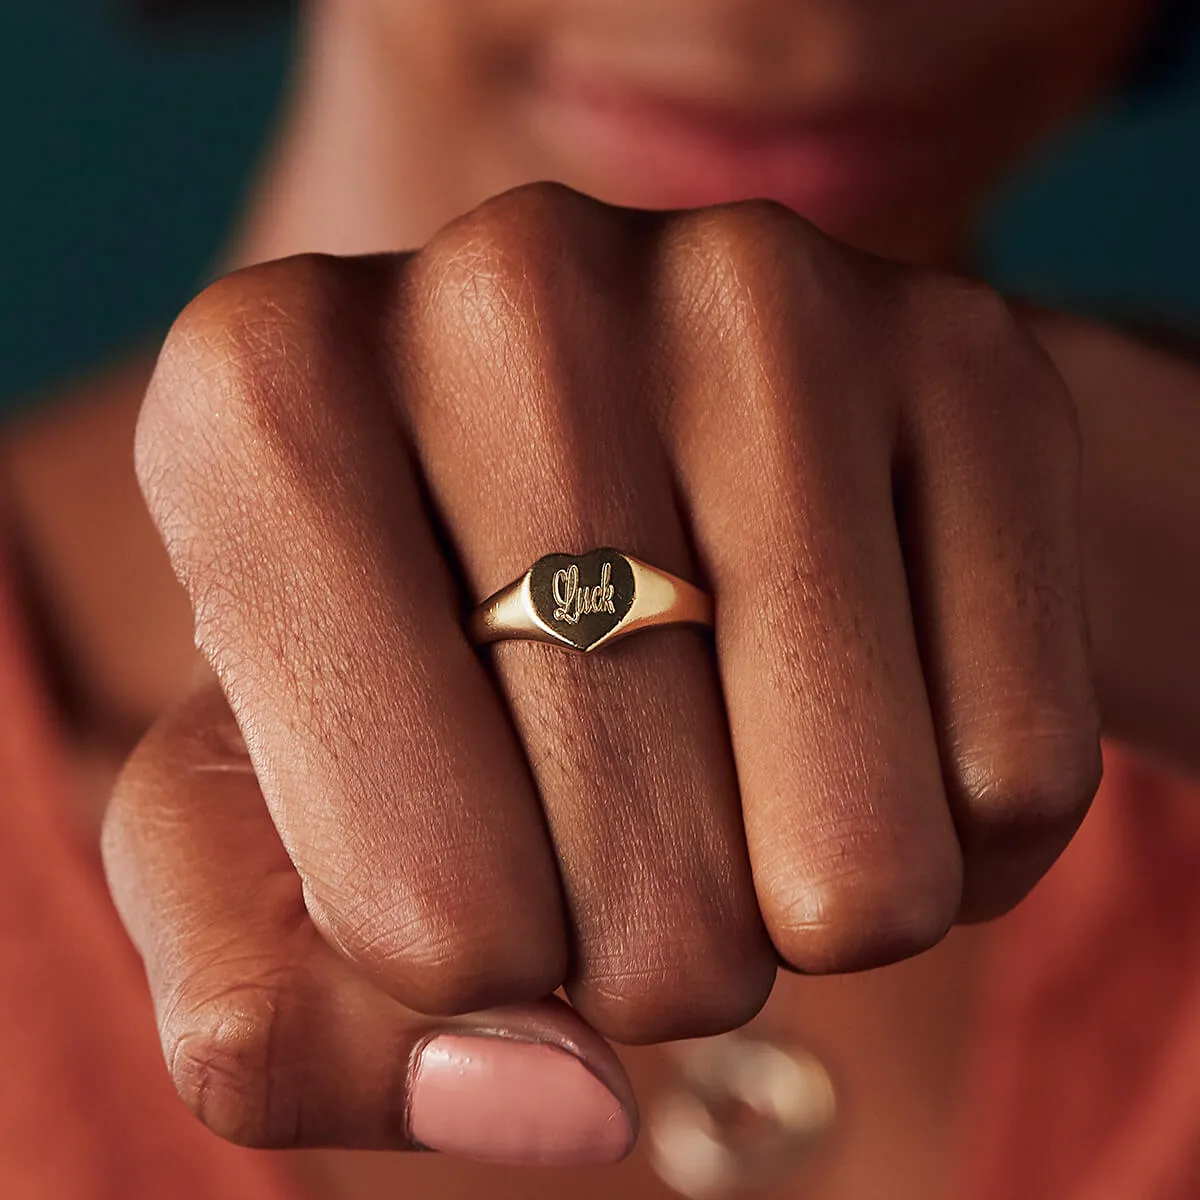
[{"x": 504, "y": 1101}]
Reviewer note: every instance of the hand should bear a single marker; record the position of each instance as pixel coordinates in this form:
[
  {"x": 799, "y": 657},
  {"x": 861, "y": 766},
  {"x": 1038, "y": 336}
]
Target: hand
[{"x": 368, "y": 831}]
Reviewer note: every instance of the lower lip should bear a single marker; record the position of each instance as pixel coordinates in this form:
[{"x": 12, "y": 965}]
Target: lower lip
[{"x": 642, "y": 151}]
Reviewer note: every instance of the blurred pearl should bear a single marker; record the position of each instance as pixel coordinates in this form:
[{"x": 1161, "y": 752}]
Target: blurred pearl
[{"x": 744, "y": 1112}]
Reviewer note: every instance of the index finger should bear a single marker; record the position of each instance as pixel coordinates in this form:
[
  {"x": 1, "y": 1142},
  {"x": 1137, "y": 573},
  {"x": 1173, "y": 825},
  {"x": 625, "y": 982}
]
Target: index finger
[{"x": 274, "y": 468}]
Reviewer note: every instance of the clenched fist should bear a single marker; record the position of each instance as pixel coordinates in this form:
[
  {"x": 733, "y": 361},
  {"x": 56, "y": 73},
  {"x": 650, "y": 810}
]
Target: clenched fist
[{"x": 362, "y": 856}]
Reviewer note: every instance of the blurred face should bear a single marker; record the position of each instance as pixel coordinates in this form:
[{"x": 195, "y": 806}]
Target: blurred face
[{"x": 885, "y": 121}]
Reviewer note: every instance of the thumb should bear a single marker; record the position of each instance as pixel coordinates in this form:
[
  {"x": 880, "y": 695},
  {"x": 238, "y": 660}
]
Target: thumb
[{"x": 273, "y": 1038}]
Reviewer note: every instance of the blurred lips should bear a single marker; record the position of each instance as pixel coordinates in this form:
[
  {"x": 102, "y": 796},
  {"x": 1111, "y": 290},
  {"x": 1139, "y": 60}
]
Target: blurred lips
[{"x": 639, "y": 147}]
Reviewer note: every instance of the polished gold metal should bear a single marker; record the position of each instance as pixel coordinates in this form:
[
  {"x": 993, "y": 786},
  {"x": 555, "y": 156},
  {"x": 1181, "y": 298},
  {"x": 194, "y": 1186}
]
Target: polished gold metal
[{"x": 585, "y": 601}]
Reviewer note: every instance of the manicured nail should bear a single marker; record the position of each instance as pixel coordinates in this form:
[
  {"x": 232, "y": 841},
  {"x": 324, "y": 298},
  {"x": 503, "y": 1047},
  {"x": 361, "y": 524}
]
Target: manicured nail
[{"x": 504, "y": 1101}]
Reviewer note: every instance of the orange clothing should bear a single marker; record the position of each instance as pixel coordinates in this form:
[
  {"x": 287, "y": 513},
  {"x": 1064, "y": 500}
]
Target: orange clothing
[
  {"x": 1087, "y": 1079},
  {"x": 87, "y": 1111},
  {"x": 1086, "y": 1084}
]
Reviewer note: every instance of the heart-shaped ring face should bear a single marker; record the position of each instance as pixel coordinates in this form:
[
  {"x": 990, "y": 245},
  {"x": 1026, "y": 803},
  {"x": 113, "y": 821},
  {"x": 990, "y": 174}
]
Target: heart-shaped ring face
[{"x": 582, "y": 598}]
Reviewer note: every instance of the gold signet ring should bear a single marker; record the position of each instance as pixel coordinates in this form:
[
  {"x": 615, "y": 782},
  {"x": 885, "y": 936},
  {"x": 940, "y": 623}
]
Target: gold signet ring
[{"x": 585, "y": 601}]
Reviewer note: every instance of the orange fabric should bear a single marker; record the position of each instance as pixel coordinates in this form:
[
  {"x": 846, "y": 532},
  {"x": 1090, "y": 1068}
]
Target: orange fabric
[
  {"x": 86, "y": 1109},
  {"x": 1087, "y": 1083}
]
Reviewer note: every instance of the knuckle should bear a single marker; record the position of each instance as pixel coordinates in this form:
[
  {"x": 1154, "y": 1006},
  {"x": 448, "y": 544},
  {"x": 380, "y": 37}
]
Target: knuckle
[
  {"x": 241, "y": 368},
  {"x": 750, "y": 231},
  {"x": 233, "y": 1057},
  {"x": 508, "y": 259},
  {"x": 232, "y": 339},
  {"x": 1014, "y": 787},
  {"x": 959, "y": 338},
  {"x": 237, "y": 423},
  {"x": 531, "y": 293},
  {"x": 676, "y": 983},
  {"x": 447, "y": 957},
  {"x": 984, "y": 315},
  {"x": 952, "y": 316},
  {"x": 734, "y": 264},
  {"x": 535, "y": 212},
  {"x": 864, "y": 916},
  {"x": 734, "y": 281},
  {"x": 220, "y": 388},
  {"x": 976, "y": 328}
]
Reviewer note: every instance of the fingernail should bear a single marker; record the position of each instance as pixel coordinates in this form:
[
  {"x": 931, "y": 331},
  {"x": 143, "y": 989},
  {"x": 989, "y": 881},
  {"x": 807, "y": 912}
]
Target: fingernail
[{"x": 504, "y": 1101}]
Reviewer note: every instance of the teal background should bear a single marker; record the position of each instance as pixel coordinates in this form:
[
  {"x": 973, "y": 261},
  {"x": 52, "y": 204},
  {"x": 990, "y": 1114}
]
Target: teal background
[{"x": 123, "y": 155}]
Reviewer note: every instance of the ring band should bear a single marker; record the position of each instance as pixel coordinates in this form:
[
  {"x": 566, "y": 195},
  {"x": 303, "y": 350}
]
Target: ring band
[{"x": 585, "y": 601}]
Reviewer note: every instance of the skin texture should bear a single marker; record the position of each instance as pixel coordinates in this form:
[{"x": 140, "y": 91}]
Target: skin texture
[
  {"x": 358, "y": 825},
  {"x": 894, "y": 774}
]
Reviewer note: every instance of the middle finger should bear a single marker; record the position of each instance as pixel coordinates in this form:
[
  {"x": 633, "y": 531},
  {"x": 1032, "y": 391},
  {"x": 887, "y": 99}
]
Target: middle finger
[{"x": 629, "y": 748}]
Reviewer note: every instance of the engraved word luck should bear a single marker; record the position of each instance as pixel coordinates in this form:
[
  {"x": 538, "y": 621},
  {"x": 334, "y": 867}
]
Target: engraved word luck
[{"x": 573, "y": 601}]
